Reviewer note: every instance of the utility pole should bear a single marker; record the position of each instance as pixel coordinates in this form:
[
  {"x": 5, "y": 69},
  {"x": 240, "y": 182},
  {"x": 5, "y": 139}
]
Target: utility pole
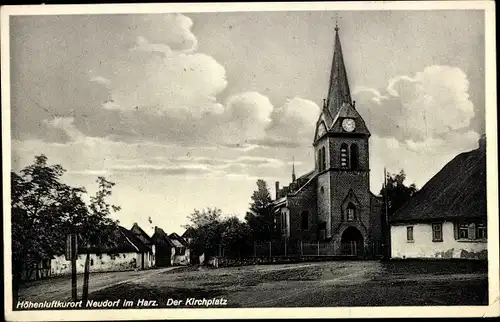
[
  {"x": 387, "y": 227},
  {"x": 71, "y": 255}
]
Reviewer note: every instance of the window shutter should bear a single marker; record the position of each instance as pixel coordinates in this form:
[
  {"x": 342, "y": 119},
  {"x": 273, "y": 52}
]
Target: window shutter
[
  {"x": 455, "y": 230},
  {"x": 472, "y": 231}
]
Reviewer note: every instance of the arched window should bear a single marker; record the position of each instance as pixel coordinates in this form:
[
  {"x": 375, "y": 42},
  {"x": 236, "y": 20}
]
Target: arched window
[
  {"x": 351, "y": 212},
  {"x": 305, "y": 220},
  {"x": 354, "y": 156},
  {"x": 344, "y": 156},
  {"x": 323, "y": 161},
  {"x": 320, "y": 158}
]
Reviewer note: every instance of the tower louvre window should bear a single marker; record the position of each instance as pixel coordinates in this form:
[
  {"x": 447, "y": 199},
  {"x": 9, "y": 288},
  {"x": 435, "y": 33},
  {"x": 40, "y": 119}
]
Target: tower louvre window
[
  {"x": 319, "y": 159},
  {"x": 354, "y": 156},
  {"x": 323, "y": 161},
  {"x": 344, "y": 156}
]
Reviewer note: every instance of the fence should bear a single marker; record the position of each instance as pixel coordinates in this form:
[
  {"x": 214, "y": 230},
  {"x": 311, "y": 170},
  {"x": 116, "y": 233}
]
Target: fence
[{"x": 284, "y": 248}]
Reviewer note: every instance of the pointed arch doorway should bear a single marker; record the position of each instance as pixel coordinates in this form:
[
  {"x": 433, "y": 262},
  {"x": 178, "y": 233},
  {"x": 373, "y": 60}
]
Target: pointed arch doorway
[{"x": 352, "y": 243}]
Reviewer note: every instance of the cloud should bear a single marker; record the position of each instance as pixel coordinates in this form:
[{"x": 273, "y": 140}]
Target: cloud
[
  {"x": 155, "y": 79},
  {"x": 100, "y": 80},
  {"x": 419, "y": 159},
  {"x": 432, "y": 103},
  {"x": 245, "y": 118},
  {"x": 84, "y": 155},
  {"x": 293, "y": 123}
]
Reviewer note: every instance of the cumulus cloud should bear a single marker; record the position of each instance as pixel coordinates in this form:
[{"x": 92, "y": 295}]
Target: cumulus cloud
[
  {"x": 420, "y": 160},
  {"x": 431, "y": 103},
  {"x": 245, "y": 118},
  {"x": 422, "y": 120},
  {"x": 158, "y": 80},
  {"x": 292, "y": 124}
]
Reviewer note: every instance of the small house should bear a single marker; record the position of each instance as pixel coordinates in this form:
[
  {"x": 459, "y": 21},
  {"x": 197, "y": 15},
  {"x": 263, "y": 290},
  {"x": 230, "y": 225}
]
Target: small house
[
  {"x": 139, "y": 233},
  {"x": 182, "y": 252},
  {"x": 128, "y": 253},
  {"x": 447, "y": 217}
]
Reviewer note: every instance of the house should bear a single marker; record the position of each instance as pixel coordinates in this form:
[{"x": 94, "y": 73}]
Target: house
[
  {"x": 189, "y": 235},
  {"x": 447, "y": 218},
  {"x": 182, "y": 252},
  {"x": 140, "y": 234},
  {"x": 129, "y": 253},
  {"x": 333, "y": 202}
]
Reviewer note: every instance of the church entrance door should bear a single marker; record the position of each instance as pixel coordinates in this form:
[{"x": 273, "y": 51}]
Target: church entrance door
[{"x": 352, "y": 242}]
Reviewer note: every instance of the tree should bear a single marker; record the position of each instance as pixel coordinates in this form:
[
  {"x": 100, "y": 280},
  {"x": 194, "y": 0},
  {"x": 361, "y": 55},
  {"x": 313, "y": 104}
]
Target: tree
[
  {"x": 396, "y": 192},
  {"x": 207, "y": 227},
  {"x": 41, "y": 207},
  {"x": 260, "y": 217},
  {"x": 44, "y": 211},
  {"x": 235, "y": 236},
  {"x": 97, "y": 227}
]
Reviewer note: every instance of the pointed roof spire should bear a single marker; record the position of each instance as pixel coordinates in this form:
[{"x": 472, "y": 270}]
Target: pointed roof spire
[
  {"x": 293, "y": 169},
  {"x": 338, "y": 91}
]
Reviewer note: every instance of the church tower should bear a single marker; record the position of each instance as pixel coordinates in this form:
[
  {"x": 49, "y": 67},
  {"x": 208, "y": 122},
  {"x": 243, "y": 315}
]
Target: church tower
[{"x": 341, "y": 145}]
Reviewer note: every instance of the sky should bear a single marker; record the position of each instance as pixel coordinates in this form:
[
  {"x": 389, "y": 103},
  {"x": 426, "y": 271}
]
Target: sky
[{"x": 187, "y": 111}]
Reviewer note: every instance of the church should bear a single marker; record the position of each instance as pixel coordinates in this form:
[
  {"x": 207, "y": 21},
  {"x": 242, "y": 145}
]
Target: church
[{"x": 333, "y": 203}]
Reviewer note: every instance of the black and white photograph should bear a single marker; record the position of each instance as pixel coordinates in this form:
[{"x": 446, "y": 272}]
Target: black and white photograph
[{"x": 292, "y": 159}]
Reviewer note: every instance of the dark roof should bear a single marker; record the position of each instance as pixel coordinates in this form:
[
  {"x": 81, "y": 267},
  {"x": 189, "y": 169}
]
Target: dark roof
[
  {"x": 189, "y": 233},
  {"x": 125, "y": 242},
  {"x": 141, "y": 234},
  {"x": 161, "y": 238},
  {"x": 457, "y": 191},
  {"x": 175, "y": 237}
]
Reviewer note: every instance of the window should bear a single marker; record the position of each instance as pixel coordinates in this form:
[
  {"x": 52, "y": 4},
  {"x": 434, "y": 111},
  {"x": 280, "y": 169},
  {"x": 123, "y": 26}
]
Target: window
[
  {"x": 305, "y": 220},
  {"x": 463, "y": 231},
  {"x": 322, "y": 189},
  {"x": 354, "y": 156},
  {"x": 351, "y": 212},
  {"x": 470, "y": 231},
  {"x": 481, "y": 231},
  {"x": 91, "y": 262},
  {"x": 323, "y": 160},
  {"x": 319, "y": 159},
  {"x": 409, "y": 233},
  {"x": 180, "y": 251},
  {"x": 344, "y": 156},
  {"x": 284, "y": 228},
  {"x": 437, "y": 232}
]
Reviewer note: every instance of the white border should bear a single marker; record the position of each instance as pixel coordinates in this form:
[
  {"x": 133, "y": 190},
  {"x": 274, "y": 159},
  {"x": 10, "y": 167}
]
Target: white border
[{"x": 242, "y": 313}]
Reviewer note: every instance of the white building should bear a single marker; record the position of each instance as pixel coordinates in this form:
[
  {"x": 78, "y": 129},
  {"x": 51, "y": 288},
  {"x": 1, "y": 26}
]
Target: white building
[{"x": 447, "y": 217}]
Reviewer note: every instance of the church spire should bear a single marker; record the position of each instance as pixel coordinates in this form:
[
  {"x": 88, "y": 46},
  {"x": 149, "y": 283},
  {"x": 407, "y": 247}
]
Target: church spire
[
  {"x": 338, "y": 91},
  {"x": 293, "y": 169}
]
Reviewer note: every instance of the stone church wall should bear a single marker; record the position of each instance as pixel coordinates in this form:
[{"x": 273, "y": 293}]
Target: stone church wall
[
  {"x": 305, "y": 200},
  {"x": 343, "y": 181}
]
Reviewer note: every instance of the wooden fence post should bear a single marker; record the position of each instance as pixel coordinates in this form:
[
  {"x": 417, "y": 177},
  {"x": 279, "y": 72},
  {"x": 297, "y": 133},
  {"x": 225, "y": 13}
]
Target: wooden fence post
[
  {"x": 318, "y": 247},
  {"x": 254, "y": 250},
  {"x": 301, "y": 249},
  {"x": 285, "y": 247},
  {"x": 270, "y": 251}
]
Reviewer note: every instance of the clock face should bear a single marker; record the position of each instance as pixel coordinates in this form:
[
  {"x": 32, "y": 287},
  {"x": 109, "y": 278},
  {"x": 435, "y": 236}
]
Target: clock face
[{"x": 348, "y": 125}]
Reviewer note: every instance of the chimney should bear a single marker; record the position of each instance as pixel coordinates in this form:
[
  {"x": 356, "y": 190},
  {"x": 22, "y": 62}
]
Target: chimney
[
  {"x": 277, "y": 187},
  {"x": 482, "y": 142}
]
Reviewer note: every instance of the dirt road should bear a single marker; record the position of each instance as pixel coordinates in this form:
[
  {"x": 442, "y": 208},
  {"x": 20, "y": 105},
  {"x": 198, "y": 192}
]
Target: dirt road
[{"x": 320, "y": 284}]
